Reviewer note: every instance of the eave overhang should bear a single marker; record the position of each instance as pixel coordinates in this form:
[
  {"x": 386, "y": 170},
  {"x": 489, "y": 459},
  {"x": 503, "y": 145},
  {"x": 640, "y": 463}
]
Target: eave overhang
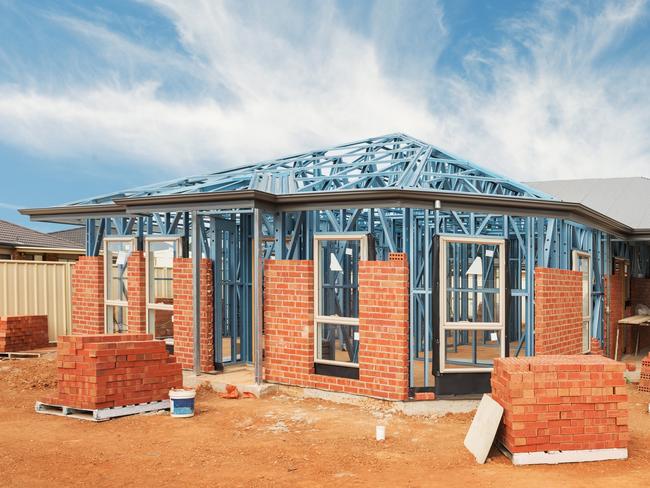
[{"x": 376, "y": 197}]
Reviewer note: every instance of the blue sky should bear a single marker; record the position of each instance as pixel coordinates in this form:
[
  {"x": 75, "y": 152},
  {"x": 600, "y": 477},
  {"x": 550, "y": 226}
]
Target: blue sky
[{"x": 99, "y": 96}]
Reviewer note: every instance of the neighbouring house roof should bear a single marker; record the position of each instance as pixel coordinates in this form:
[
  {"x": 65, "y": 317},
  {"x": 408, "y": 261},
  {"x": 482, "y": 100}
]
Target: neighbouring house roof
[
  {"x": 624, "y": 199},
  {"x": 76, "y": 235},
  {"x": 14, "y": 235}
]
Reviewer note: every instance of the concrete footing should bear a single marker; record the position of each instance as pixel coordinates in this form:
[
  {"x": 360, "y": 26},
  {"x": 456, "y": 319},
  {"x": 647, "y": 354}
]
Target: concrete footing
[{"x": 243, "y": 378}]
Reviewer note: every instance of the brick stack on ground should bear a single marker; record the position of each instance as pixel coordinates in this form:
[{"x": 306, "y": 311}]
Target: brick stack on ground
[
  {"x": 561, "y": 403},
  {"x": 644, "y": 381},
  {"x": 103, "y": 371},
  {"x": 23, "y": 333}
]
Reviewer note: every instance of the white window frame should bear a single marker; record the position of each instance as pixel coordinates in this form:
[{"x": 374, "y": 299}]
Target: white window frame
[
  {"x": 575, "y": 254},
  {"x": 149, "y": 304},
  {"x": 108, "y": 329},
  {"x": 318, "y": 291},
  {"x": 446, "y": 325}
]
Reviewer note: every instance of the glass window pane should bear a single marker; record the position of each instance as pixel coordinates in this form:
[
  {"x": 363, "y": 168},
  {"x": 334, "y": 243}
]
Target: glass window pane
[
  {"x": 472, "y": 307},
  {"x": 117, "y": 255},
  {"x": 338, "y": 343},
  {"x": 339, "y": 271},
  {"x": 116, "y": 319},
  {"x": 161, "y": 324},
  {"x": 160, "y": 262},
  {"x": 473, "y": 282},
  {"x": 471, "y": 348},
  {"x": 473, "y": 266}
]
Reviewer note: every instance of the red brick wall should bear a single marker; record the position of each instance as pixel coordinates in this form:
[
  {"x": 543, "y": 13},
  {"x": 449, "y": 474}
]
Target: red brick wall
[
  {"x": 640, "y": 293},
  {"x": 136, "y": 283},
  {"x": 102, "y": 371},
  {"x": 22, "y": 333},
  {"x": 558, "y": 311},
  {"x": 183, "y": 315},
  {"x": 88, "y": 295},
  {"x": 614, "y": 290},
  {"x": 383, "y": 328},
  {"x": 557, "y": 403}
]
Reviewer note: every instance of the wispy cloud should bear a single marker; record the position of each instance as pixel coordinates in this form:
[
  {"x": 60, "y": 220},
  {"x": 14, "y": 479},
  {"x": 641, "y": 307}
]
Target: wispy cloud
[{"x": 274, "y": 78}]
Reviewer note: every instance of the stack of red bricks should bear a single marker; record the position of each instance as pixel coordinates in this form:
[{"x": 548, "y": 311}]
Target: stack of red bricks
[
  {"x": 644, "y": 382},
  {"x": 561, "y": 403},
  {"x": 103, "y": 371},
  {"x": 23, "y": 333},
  {"x": 596, "y": 347}
]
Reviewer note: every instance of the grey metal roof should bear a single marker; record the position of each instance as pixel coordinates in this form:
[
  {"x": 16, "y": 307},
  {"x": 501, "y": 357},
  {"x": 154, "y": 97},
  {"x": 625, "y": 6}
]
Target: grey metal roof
[
  {"x": 19, "y": 236},
  {"x": 624, "y": 199},
  {"x": 76, "y": 235}
]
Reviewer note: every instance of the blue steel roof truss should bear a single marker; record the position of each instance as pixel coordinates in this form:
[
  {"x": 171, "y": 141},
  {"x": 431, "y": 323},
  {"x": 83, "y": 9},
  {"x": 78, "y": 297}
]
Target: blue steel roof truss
[{"x": 393, "y": 161}]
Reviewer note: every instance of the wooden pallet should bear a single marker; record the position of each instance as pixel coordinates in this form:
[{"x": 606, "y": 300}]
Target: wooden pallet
[
  {"x": 25, "y": 354},
  {"x": 101, "y": 414}
]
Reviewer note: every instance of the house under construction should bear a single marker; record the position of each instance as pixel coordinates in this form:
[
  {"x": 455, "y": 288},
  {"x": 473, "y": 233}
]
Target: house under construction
[{"x": 384, "y": 267}]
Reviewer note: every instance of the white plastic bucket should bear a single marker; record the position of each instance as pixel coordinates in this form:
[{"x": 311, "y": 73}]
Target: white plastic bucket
[{"x": 182, "y": 403}]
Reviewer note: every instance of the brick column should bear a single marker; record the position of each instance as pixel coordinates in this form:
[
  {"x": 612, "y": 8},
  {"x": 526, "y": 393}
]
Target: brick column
[
  {"x": 183, "y": 313},
  {"x": 136, "y": 291},
  {"x": 88, "y": 295},
  {"x": 558, "y": 311},
  {"x": 384, "y": 326},
  {"x": 288, "y": 321},
  {"x": 615, "y": 302}
]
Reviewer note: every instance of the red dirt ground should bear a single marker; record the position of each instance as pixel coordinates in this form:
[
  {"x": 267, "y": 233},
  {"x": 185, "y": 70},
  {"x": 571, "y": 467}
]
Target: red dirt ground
[{"x": 279, "y": 441}]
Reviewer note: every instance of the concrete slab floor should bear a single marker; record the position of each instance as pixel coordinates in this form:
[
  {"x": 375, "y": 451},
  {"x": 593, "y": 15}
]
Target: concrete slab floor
[
  {"x": 432, "y": 409},
  {"x": 243, "y": 377}
]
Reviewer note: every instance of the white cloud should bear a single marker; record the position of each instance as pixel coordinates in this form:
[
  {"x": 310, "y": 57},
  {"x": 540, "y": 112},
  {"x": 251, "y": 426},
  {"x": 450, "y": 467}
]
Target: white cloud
[{"x": 539, "y": 105}]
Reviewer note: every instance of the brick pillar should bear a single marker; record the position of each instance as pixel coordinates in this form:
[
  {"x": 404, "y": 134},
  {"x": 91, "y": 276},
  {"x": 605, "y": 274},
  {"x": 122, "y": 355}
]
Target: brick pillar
[
  {"x": 384, "y": 326},
  {"x": 183, "y": 314},
  {"x": 136, "y": 283},
  {"x": 88, "y": 295},
  {"x": 615, "y": 302},
  {"x": 288, "y": 321},
  {"x": 558, "y": 311}
]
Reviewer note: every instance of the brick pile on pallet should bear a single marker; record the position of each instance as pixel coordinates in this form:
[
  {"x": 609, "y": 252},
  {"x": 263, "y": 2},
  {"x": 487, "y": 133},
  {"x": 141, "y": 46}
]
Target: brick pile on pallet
[
  {"x": 23, "y": 333},
  {"x": 103, "y": 371},
  {"x": 561, "y": 403},
  {"x": 644, "y": 382}
]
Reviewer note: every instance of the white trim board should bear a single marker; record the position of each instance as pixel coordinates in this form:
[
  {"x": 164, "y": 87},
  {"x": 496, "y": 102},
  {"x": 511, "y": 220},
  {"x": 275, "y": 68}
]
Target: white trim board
[{"x": 561, "y": 457}]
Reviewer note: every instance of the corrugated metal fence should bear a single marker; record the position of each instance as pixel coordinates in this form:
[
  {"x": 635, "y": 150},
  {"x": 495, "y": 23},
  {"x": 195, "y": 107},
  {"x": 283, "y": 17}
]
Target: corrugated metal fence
[{"x": 38, "y": 288}]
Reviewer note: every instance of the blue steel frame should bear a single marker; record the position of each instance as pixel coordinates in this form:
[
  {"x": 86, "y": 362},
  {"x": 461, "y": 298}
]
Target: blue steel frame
[{"x": 393, "y": 161}]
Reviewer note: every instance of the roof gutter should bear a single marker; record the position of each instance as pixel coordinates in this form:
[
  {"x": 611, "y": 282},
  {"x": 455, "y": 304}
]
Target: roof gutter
[
  {"x": 382, "y": 198},
  {"x": 50, "y": 250}
]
